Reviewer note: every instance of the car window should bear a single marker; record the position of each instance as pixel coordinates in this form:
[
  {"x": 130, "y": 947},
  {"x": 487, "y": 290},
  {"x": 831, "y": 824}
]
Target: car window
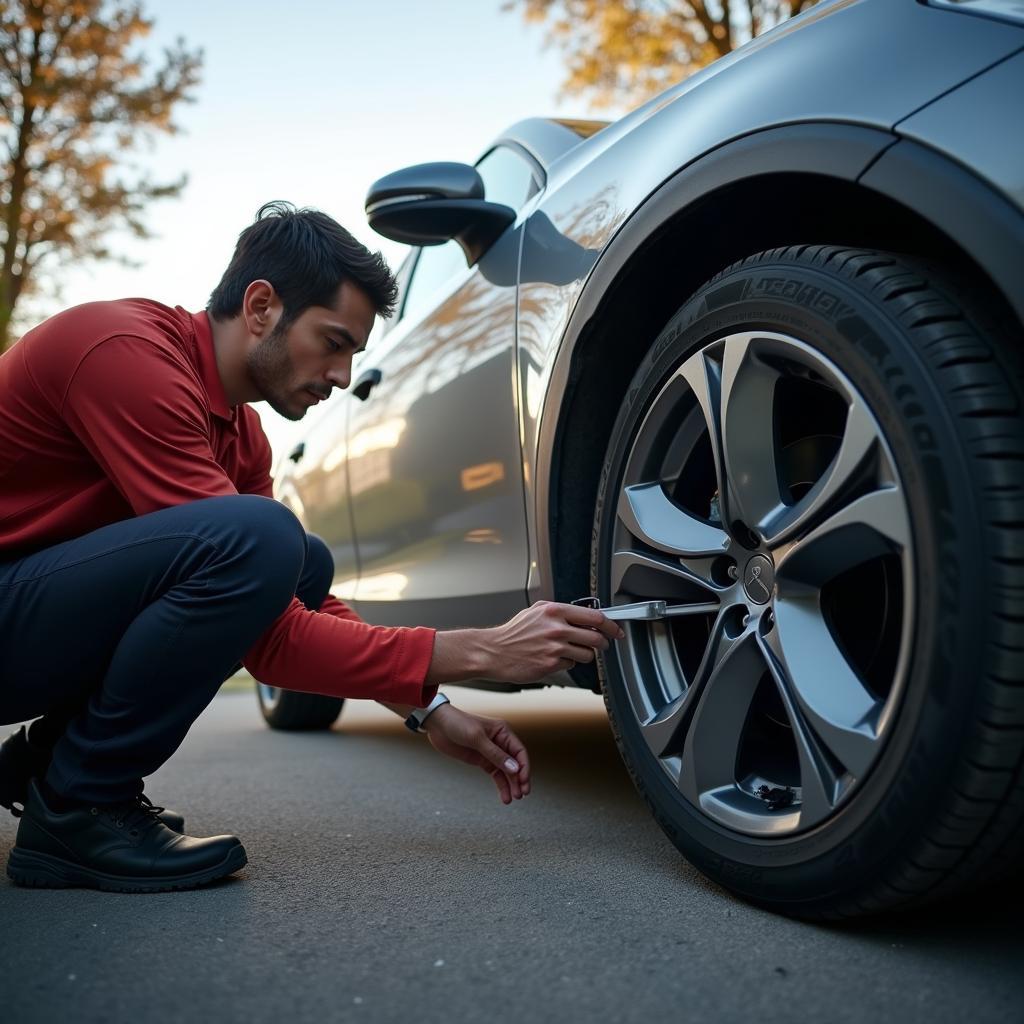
[
  {"x": 435, "y": 265},
  {"x": 509, "y": 179},
  {"x": 402, "y": 277}
]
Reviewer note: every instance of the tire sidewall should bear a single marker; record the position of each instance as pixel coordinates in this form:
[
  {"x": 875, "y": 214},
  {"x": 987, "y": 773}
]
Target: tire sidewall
[
  {"x": 890, "y": 807},
  {"x": 295, "y": 711}
]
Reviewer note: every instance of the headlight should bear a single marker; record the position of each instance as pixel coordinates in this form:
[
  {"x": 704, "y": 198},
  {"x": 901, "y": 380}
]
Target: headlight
[{"x": 1009, "y": 10}]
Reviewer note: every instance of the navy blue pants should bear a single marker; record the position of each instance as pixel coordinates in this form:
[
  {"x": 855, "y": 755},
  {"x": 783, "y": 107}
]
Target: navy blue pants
[{"x": 121, "y": 637}]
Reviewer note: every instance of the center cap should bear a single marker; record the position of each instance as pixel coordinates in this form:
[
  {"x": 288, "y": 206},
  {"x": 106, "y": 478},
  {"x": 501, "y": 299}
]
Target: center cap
[{"x": 759, "y": 579}]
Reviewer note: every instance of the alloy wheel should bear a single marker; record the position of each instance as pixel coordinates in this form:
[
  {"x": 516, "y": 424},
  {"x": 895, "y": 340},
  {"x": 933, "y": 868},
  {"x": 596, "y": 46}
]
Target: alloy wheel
[{"x": 760, "y": 499}]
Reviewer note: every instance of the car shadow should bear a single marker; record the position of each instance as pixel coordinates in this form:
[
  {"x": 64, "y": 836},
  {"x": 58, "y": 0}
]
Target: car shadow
[
  {"x": 570, "y": 753},
  {"x": 982, "y": 926},
  {"x": 574, "y": 756}
]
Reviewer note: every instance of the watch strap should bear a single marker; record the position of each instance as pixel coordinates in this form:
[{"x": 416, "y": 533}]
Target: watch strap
[{"x": 419, "y": 715}]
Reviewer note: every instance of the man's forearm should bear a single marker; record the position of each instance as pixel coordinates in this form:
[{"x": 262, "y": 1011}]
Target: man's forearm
[
  {"x": 347, "y": 658},
  {"x": 546, "y": 638},
  {"x": 458, "y": 654}
]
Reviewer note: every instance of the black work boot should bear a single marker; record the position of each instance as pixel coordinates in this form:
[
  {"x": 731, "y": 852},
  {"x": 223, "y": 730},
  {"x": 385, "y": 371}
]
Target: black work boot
[
  {"x": 121, "y": 847},
  {"x": 21, "y": 760}
]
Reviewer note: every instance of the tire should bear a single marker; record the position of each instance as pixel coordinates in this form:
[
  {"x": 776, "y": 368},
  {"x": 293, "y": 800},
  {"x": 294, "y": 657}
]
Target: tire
[
  {"x": 291, "y": 711},
  {"x": 830, "y": 722}
]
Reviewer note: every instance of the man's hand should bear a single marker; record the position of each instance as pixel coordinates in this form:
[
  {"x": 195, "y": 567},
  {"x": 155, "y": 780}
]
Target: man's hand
[
  {"x": 545, "y": 638},
  {"x": 487, "y": 743}
]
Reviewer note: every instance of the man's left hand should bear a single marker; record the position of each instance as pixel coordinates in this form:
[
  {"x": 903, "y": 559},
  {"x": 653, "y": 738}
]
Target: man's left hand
[{"x": 487, "y": 743}]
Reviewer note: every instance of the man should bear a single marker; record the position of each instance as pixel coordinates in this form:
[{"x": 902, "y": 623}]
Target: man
[{"x": 142, "y": 557}]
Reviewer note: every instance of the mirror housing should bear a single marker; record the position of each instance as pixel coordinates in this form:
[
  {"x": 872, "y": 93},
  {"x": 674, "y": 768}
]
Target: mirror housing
[{"x": 430, "y": 204}]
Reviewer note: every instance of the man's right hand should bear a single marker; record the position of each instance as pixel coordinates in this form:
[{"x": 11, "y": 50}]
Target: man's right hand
[{"x": 545, "y": 638}]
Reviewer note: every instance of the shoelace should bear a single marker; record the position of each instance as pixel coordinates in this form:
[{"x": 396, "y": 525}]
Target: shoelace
[
  {"x": 154, "y": 808},
  {"x": 134, "y": 815}
]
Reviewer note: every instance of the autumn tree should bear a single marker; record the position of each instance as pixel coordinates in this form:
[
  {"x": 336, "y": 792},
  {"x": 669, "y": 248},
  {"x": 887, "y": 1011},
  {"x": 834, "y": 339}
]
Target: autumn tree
[
  {"x": 75, "y": 98},
  {"x": 625, "y": 51}
]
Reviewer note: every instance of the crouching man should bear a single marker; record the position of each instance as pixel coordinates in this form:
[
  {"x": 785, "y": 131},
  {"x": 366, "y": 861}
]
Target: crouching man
[{"x": 142, "y": 558}]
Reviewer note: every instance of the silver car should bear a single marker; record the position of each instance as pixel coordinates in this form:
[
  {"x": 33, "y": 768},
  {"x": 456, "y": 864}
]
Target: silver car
[{"x": 753, "y": 354}]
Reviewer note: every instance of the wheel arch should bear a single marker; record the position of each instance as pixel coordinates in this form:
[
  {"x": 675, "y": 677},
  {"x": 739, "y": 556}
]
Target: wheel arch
[{"x": 829, "y": 183}]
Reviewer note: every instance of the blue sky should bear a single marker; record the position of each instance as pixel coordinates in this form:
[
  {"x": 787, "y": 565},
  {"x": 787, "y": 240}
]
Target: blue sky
[{"x": 310, "y": 101}]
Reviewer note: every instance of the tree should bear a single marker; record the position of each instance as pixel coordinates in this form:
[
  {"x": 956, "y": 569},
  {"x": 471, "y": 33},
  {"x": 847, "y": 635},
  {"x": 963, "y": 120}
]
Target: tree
[
  {"x": 629, "y": 50},
  {"x": 74, "y": 100}
]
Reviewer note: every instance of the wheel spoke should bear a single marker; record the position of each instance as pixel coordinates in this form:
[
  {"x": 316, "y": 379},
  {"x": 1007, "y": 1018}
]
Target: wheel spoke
[
  {"x": 860, "y": 441},
  {"x": 736, "y": 394},
  {"x": 748, "y": 432},
  {"x": 712, "y": 741},
  {"x": 825, "y": 692},
  {"x": 642, "y": 575},
  {"x": 819, "y": 781},
  {"x": 664, "y": 732},
  {"x": 649, "y": 515},
  {"x": 872, "y": 525},
  {"x": 703, "y": 376}
]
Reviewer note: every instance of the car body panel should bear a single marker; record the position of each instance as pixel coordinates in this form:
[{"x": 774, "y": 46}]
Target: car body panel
[
  {"x": 315, "y": 488},
  {"x": 957, "y": 201},
  {"x": 593, "y": 196},
  {"x": 434, "y": 461},
  {"x": 841, "y": 151},
  {"x": 844, "y": 60},
  {"x": 957, "y": 127},
  {"x": 449, "y": 460}
]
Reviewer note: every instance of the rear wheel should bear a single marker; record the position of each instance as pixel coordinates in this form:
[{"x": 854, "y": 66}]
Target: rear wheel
[
  {"x": 818, "y": 468},
  {"x": 294, "y": 712}
]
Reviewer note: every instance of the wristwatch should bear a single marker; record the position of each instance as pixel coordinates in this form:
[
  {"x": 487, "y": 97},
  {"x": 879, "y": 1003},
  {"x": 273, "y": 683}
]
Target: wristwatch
[{"x": 419, "y": 715}]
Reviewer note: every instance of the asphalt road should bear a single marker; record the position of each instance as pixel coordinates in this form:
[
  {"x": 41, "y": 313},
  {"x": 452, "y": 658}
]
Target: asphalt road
[{"x": 388, "y": 884}]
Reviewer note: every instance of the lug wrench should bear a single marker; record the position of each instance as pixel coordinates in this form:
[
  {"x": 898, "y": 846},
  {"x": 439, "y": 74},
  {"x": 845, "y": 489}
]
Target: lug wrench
[{"x": 641, "y": 611}]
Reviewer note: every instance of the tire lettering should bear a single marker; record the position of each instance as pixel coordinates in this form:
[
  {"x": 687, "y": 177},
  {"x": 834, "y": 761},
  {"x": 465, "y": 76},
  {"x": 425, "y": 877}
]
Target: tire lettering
[{"x": 811, "y": 296}]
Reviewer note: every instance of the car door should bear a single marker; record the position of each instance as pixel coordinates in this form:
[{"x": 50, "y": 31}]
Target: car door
[
  {"x": 312, "y": 482},
  {"x": 434, "y": 456},
  {"x": 312, "y": 479}
]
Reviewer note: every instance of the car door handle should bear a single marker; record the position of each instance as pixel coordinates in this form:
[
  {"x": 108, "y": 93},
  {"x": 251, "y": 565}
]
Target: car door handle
[
  {"x": 297, "y": 452},
  {"x": 366, "y": 383}
]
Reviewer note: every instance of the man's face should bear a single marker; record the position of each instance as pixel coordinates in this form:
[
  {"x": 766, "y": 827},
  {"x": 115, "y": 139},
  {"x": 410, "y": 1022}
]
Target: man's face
[{"x": 296, "y": 367}]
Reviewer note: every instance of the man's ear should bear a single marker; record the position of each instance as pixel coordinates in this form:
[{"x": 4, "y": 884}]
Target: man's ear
[{"x": 261, "y": 308}]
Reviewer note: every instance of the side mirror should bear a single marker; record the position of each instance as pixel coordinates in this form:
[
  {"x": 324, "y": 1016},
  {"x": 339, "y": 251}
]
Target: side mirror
[{"x": 429, "y": 204}]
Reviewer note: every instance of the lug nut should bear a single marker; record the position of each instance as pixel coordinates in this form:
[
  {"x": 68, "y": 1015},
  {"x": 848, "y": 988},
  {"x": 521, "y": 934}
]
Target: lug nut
[{"x": 732, "y": 572}]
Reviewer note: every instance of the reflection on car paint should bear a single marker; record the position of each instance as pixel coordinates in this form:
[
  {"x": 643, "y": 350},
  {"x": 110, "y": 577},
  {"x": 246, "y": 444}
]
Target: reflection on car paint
[{"x": 449, "y": 374}]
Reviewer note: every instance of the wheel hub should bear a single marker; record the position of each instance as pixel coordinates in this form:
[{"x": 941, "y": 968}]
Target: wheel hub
[{"x": 759, "y": 579}]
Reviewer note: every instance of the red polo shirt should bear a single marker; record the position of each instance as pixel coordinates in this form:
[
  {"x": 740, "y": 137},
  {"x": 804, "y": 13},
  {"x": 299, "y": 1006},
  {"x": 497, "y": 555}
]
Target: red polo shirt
[{"x": 114, "y": 409}]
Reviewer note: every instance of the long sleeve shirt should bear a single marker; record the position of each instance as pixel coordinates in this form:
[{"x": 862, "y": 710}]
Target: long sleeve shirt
[{"x": 115, "y": 409}]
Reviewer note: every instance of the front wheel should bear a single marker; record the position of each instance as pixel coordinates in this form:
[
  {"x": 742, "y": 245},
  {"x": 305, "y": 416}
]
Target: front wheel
[
  {"x": 291, "y": 711},
  {"x": 817, "y": 467}
]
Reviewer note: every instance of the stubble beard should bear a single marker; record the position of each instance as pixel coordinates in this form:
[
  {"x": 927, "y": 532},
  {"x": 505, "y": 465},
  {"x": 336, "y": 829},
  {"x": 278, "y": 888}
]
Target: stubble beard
[{"x": 270, "y": 369}]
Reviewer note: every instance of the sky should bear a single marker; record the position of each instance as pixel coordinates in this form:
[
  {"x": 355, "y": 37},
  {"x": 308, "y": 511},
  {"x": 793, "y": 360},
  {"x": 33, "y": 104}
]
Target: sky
[{"x": 311, "y": 101}]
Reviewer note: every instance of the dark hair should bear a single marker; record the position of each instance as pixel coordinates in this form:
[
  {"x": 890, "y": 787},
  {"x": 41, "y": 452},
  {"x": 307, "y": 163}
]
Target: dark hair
[{"x": 305, "y": 255}]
